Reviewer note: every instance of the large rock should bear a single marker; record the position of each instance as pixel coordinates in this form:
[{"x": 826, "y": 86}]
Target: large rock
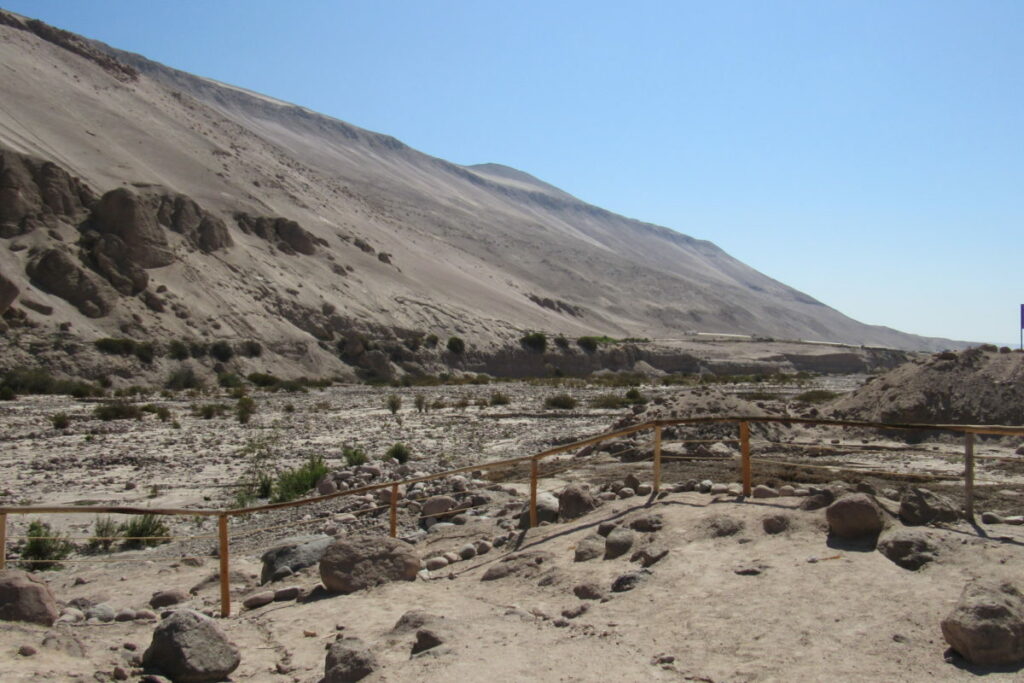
[
  {"x": 618, "y": 543},
  {"x": 576, "y": 500},
  {"x": 202, "y": 229},
  {"x": 54, "y": 271},
  {"x": 189, "y": 647},
  {"x": 589, "y": 548},
  {"x": 23, "y": 597},
  {"x": 908, "y": 548},
  {"x": 987, "y": 624},
  {"x": 294, "y": 554},
  {"x": 348, "y": 660},
  {"x": 547, "y": 510},
  {"x": 124, "y": 214},
  {"x": 31, "y": 188},
  {"x": 287, "y": 234},
  {"x": 8, "y": 293},
  {"x": 436, "y": 506},
  {"x": 358, "y": 562},
  {"x": 855, "y": 515},
  {"x": 920, "y": 506}
]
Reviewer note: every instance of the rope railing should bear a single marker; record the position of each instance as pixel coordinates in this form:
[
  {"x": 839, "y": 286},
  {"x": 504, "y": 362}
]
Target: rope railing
[{"x": 745, "y": 472}]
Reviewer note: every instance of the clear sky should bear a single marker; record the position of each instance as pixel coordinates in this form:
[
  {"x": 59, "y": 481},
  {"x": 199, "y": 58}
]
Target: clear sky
[{"x": 869, "y": 153}]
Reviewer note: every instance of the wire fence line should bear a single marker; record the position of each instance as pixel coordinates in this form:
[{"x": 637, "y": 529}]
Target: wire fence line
[{"x": 745, "y": 471}]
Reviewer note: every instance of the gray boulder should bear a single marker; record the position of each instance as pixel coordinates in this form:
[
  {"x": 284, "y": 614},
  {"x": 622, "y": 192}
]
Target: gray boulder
[
  {"x": 547, "y": 511},
  {"x": 908, "y": 548},
  {"x": 23, "y": 597},
  {"x": 124, "y": 214},
  {"x": 358, "y": 562},
  {"x": 776, "y": 523},
  {"x": 618, "y": 543},
  {"x": 576, "y": 500},
  {"x": 920, "y": 506},
  {"x": 348, "y": 660},
  {"x": 436, "y": 506},
  {"x": 855, "y": 515},
  {"x": 589, "y": 548},
  {"x": 189, "y": 647},
  {"x": 987, "y": 624},
  {"x": 293, "y": 554}
]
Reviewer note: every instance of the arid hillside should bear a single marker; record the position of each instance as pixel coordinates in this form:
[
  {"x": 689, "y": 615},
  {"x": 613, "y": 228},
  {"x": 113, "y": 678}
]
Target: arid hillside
[{"x": 142, "y": 201}]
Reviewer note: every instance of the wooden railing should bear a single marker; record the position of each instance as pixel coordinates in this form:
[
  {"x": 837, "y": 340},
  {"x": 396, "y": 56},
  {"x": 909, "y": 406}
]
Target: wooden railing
[{"x": 745, "y": 475}]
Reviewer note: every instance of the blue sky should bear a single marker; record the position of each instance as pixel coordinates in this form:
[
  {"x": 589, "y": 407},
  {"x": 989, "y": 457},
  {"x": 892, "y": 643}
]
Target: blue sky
[{"x": 868, "y": 153}]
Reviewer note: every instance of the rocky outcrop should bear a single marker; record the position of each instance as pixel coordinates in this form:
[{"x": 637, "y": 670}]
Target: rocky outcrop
[
  {"x": 125, "y": 215},
  {"x": 183, "y": 215},
  {"x": 8, "y": 293},
  {"x": 987, "y": 625},
  {"x": 287, "y": 235},
  {"x": 32, "y": 189},
  {"x": 23, "y": 597},
  {"x": 359, "y": 562},
  {"x": 54, "y": 271},
  {"x": 110, "y": 257},
  {"x": 189, "y": 647}
]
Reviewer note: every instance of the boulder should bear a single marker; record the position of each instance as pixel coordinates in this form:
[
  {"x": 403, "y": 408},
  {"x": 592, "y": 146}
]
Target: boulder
[
  {"x": 358, "y": 562},
  {"x": 987, "y": 624},
  {"x": 589, "y": 548},
  {"x": 576, "y": 500},
  {"x": 54, "y": 271},
  {"x": 855, "y": 515},
  {"x": 762, "y": 491},
  {"x": 618, "y": 543},
  {"x": 23, "y": 597},
  {"x": 189, "y": 647},
  {"x": 122, "y": 213},
  {"x": 547, "y": 511},
  {"x": 294, "y": 554},
  {"x": 908, "y": 548},
  {"x": 776, "y": 523},
  {"x": 920, "y": 506},
  {"x": 435, "y": 506},
  {"x": 166, "y": 598},
  {"x": 203, "y": 230},
  {"x": 348, "y": 660}
]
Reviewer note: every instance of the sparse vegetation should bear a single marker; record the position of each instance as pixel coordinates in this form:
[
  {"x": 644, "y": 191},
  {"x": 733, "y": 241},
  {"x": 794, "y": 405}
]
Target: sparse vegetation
[
  {"x": 588, "y": 344},
  {"x": 105, "y": 532},
  {"x": 431, "y": 341},
  {"x": 208, "y": 411},
  {"x": 817, "y": 396},
  {"x": 60, "y": 421},
  {"x": 608, "y": 401},
  {"x": 45, "y": 547},
  {"x": 244, "y": 409},
  {"x": 399, "y": 452},
  {"x": 499, "y": 399},
  {"x": 393, "y": 403},
  {"x": 144, "y": 531},
  {"x": 456, "y": 346},
  {"x": 116, "y": 346},
  {"x": 183, "y": 378},
  {"x": 221, "y": 350},
  {"x": 118, "y": 410},
  {"x": 353, "y": 456},
  {"x": 40, "y": 381},
  {"x": 295, "y": 482},
  {"x": 230, "y": 380},
  {"x": 421, "y": 403},
  {"x": 250, "y": 349},
  {"x": 534, "y": 341},
  {"x": 634, "y": 397},
  {"x": 561, "y": 342},
  {"x": 560, "y": 402},
  {"x": 177, "y": 350}
]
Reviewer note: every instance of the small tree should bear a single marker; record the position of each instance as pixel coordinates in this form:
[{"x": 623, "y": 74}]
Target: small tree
[
  {"x": 393, "y": 403},
  {"x": 456, "y": 346}
]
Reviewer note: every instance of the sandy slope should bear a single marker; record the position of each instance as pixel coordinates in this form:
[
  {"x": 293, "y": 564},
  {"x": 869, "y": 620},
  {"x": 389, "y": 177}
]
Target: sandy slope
[{"x": 469, "y": 245}]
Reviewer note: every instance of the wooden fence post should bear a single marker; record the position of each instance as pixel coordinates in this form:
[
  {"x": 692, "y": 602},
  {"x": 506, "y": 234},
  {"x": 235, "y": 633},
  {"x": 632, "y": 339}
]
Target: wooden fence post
[
  {"x": 969, "y": 475},
  {"x": 657, "y": 458},
  {"x": 225, "y": 581},
  {"x": 745, "y": 459},
  {"x": 533, "y": 493},
  {"x": 3, "y": 541},
  {"x": 394, "y": 510}
]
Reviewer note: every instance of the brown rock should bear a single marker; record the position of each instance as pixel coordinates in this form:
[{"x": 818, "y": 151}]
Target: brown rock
[
  {"x": 123, "y": 214},
  {"x": 23, "y": 597},
  {"x": 855, "y": 515},
  {"x": 575, "y": 501},
  {"x": 358, "y": 562},
  {"x": 54, "y": 271},
  {"x": 987, "y": 624}
]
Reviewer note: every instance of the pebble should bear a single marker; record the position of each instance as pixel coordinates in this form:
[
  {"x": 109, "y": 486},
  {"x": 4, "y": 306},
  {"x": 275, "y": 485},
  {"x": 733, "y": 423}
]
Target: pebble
[
  {"x": 451, "y": 557},
  {"x": 125, "y": 615},
  {"x": 26, "y": 650},
  {"x": 467, "y": 552},
  {"x": 705, "y": 486},
  {"x": 435, "y": 563},
  {"x": 625, "y": 492}
]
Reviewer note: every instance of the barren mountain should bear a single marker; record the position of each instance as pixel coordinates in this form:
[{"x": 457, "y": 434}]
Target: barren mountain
[{"x": 139, "y": 200}]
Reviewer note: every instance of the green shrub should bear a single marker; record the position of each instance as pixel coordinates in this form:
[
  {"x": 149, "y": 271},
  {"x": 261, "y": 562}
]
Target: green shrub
[
  {"x": 456, "y": 346},
  {"x": 295, "y": 482},
  {"x": 60, "y": 421},
  {"x": 431, "y": 341},
  {"x": 144, "y": 531},
  {"x": 393, "y": 403},
  {"x": 222, "y": 351},
  {"x": 438, "y": 404},
  {"x": 115, "y": 346},
  {"x": 183, "y": 378},
  {"x": 208, "y": 411},
  {"x": 289, "y": 408},
  {"x": 45, "y": 547},
  {"x": 105, "y": 532},
  {"x": 40, "y": 381},
  {"x": 245, "y": 409},
  {"x": 198, "y": 349},
  {"x": 421, "y": 403},
  {"x": 607, "y": 401},
  {"x": 7, "y": 394},
  {"x": 229, "y": 380},
  {"x": 817, "y": 396},
  {"x": 118, "y": 410},
  {"x": 462, "y": 403},
  {"x": 561, "y": 342},
  {"x": 399, "y": 452},
  {"x": 353, "y": 456},
  {"x": 263, "y": 380},
  {"x": 163, "y": 413},
  {"x": 588, "y": 344},
  {"x": 560, "y": 402},
  {"x": 634, "y": 397},
  {"x": 534, "y": 341},
  {"x": 250, "y": 349},
  {"x": 499, "y": 399},
  {"x": 145, "y": 352},
  {"x": 177, "y": 350}
]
